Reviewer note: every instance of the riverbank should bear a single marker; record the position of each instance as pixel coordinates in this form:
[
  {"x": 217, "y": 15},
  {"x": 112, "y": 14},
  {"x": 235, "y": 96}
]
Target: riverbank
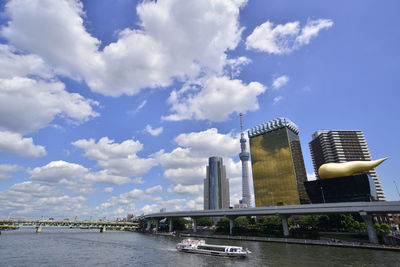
[{"x": 333, "y": 243}]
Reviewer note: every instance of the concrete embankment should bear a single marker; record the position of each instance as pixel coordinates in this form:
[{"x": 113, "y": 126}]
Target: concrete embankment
[{"x": 333, "y": 243}]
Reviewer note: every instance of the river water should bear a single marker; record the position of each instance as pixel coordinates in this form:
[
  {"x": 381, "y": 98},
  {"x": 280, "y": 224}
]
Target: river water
[{"x": 76, "y": 247}]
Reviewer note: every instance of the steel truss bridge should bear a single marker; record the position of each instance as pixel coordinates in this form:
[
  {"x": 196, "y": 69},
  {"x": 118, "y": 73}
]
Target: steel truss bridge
[
  {"x": 366, "y": 209},
  {"x": 39, "y": 224}
]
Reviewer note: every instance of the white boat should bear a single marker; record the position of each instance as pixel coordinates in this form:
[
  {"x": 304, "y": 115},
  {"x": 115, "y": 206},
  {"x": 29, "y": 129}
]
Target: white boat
[{"x": 200, "y": 247}]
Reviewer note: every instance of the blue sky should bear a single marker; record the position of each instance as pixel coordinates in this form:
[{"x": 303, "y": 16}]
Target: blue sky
[{"x": 113, "y": 107}]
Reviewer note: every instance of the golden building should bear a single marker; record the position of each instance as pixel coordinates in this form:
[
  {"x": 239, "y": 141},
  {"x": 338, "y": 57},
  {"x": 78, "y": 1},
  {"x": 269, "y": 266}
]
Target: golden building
[{"x": 277, "y": 163}]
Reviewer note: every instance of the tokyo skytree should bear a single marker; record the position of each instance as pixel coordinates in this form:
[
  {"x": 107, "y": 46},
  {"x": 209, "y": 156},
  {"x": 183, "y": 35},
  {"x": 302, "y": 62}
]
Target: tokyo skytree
[{"x": 244, "y": 157}]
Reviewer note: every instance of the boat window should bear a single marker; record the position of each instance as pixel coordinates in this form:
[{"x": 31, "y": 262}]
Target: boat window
[
  {"x": 211, "y": 248},
  {"x": 233, "y": 250}
]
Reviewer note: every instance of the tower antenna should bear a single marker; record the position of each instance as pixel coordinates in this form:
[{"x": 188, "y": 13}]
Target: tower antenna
[{"x": 241, "y": 122}]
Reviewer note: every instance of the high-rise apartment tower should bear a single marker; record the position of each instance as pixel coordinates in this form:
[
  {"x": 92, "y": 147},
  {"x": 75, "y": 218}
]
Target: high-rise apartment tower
[
  {"x": 216, "y": 185},
  {"x": 342, "y": 146},
  {"x": 244, "y": 157},
  {"x": 277, "y": 163}
]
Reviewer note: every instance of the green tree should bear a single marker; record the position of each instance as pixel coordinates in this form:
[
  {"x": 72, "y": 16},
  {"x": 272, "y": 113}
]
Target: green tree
[
  {"x": 307, "y": 221},
  {"x": 223, "y": 224},
  {"x": 179, "y": 224},
  {"x": 204, "y": 221},
  {"x": 385, "y": 228},
  {"x": 377, "y": 227},
  {"x": 242, "y": 221}
]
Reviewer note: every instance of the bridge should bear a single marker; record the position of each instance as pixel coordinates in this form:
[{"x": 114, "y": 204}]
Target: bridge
[
  {"x": 39, "y": 224},
  {"x": 366, "y": 209}
]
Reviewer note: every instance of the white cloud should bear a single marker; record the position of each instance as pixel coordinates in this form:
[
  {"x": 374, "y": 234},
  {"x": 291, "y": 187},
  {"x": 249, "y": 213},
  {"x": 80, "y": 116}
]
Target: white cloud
[
  {"x": 234, "y": 65},
  {"x": 74, "y": 176},
  {"x": 187, "y": 189},
  {"x": 15, "y": 64},
  {"x": 19, "y": 97},
  {"x": 118, "y": 159},
  {"x": 155, "y": 131},
  {"x": 280, "y": 81},
  {"x": 284, "y": 38},
  {"x": 127, "y": 200},
  {"x": 63, "y": 42},
  {"x": 132, "y": 112},
  {"x": 141, "y": 58},
  {"x": 6, "y": 169},
  {"x": 155, "y": 189},
  {"x": 108, "y": 190},
  {"x": 186, "y": 164},
  {"x": 29, "y": 199},
  {"x": 214, "y": 98},
  {"x": 15, "y": 143},
  {"x": 311, "y": 177},
  {"x": 178, "y": 204},
  {"x": 277, "y": 99}
]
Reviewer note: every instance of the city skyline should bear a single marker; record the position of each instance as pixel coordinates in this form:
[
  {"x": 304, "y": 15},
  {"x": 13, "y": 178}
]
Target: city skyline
[{"x": 109, "y": 108}]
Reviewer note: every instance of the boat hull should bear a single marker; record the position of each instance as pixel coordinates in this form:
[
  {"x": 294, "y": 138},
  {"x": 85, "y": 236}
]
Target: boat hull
[{"x": 212, "y": 253}]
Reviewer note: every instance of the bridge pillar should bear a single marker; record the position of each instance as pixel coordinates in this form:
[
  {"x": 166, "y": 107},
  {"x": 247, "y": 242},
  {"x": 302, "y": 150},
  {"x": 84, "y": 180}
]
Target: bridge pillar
[
  {"x": 285, "y": 225},
  {"x": 148, "y": 225},
  {"x": 157, "y": 224},
  {"x": 231, "y": 223},
  {"x": 370, "y": 227},
  {"x": 171, "y": 225},
  {"x": 102, "y": 229},
  {"x": 194, "y": 225}
]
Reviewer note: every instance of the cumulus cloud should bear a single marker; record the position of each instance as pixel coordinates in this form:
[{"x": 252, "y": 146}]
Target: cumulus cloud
[
  {"x": 154, "y": 189},
  {"x": 63, "y": 42},
  {"x": 177, "y": 204},
  {"x": 155, "y": 131},
  {"x": 284, "y": 38},
  {"x": 74, "y": 177},
  {"x": 118, "y": 159},
  {"x": 14, "y": 63},
  {"x": 29, "y": 199},
  {"x": 234, "y": 65},
  {"x": 187, "y": 189},
  {"x": 20, "y": 96},
  {"x": 15, "y": 143},
  {"x": 6, "y": 169},
  {"x": 213, "y": 98},
  {"x": 280, "y": 81},
  {"x": 108, "y": 190},
  {"x": 126, "y": 202},
  {"x": 186, "y": 164},
  {"x": 141, "y": 58}
]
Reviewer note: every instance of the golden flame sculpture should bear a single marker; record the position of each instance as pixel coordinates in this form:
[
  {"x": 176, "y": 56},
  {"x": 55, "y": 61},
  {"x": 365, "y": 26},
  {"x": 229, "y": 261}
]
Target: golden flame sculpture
[{"x": 333, "y": 170}]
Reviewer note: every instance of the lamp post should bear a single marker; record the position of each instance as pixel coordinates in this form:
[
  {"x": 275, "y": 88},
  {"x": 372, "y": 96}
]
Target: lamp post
[{"x": 322, "y": 191}]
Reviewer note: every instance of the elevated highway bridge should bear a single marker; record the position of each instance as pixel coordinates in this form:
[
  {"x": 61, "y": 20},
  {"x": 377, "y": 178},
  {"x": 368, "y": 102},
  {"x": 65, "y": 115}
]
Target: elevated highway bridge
[
  {"x": 366, "y": 209},
  {"x": 39, "y": 224}
]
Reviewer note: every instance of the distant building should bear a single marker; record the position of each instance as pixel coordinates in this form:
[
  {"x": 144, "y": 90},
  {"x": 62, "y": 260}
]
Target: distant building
[
  {"x": 277, "y": 163},
  {"x": 216, "y": 185},
  {"x": 342, "y": 146},
  {"x": 131, "y": 218}
]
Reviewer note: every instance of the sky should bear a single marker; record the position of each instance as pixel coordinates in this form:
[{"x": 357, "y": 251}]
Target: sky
[{"x": 109, "y": 108}]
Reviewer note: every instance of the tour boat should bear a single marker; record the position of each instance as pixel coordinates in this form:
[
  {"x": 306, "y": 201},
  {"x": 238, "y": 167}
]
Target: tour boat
[{"x": 200, "y": 247}]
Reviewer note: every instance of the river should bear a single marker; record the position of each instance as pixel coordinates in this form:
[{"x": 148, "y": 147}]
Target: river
[{"x": 76, "y": 247}]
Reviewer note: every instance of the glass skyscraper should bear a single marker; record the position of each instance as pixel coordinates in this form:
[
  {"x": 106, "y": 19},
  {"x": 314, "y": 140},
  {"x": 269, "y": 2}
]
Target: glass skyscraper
[
  {"x": 216, "y": 185},
  {"x": 277, "y": 163}
]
